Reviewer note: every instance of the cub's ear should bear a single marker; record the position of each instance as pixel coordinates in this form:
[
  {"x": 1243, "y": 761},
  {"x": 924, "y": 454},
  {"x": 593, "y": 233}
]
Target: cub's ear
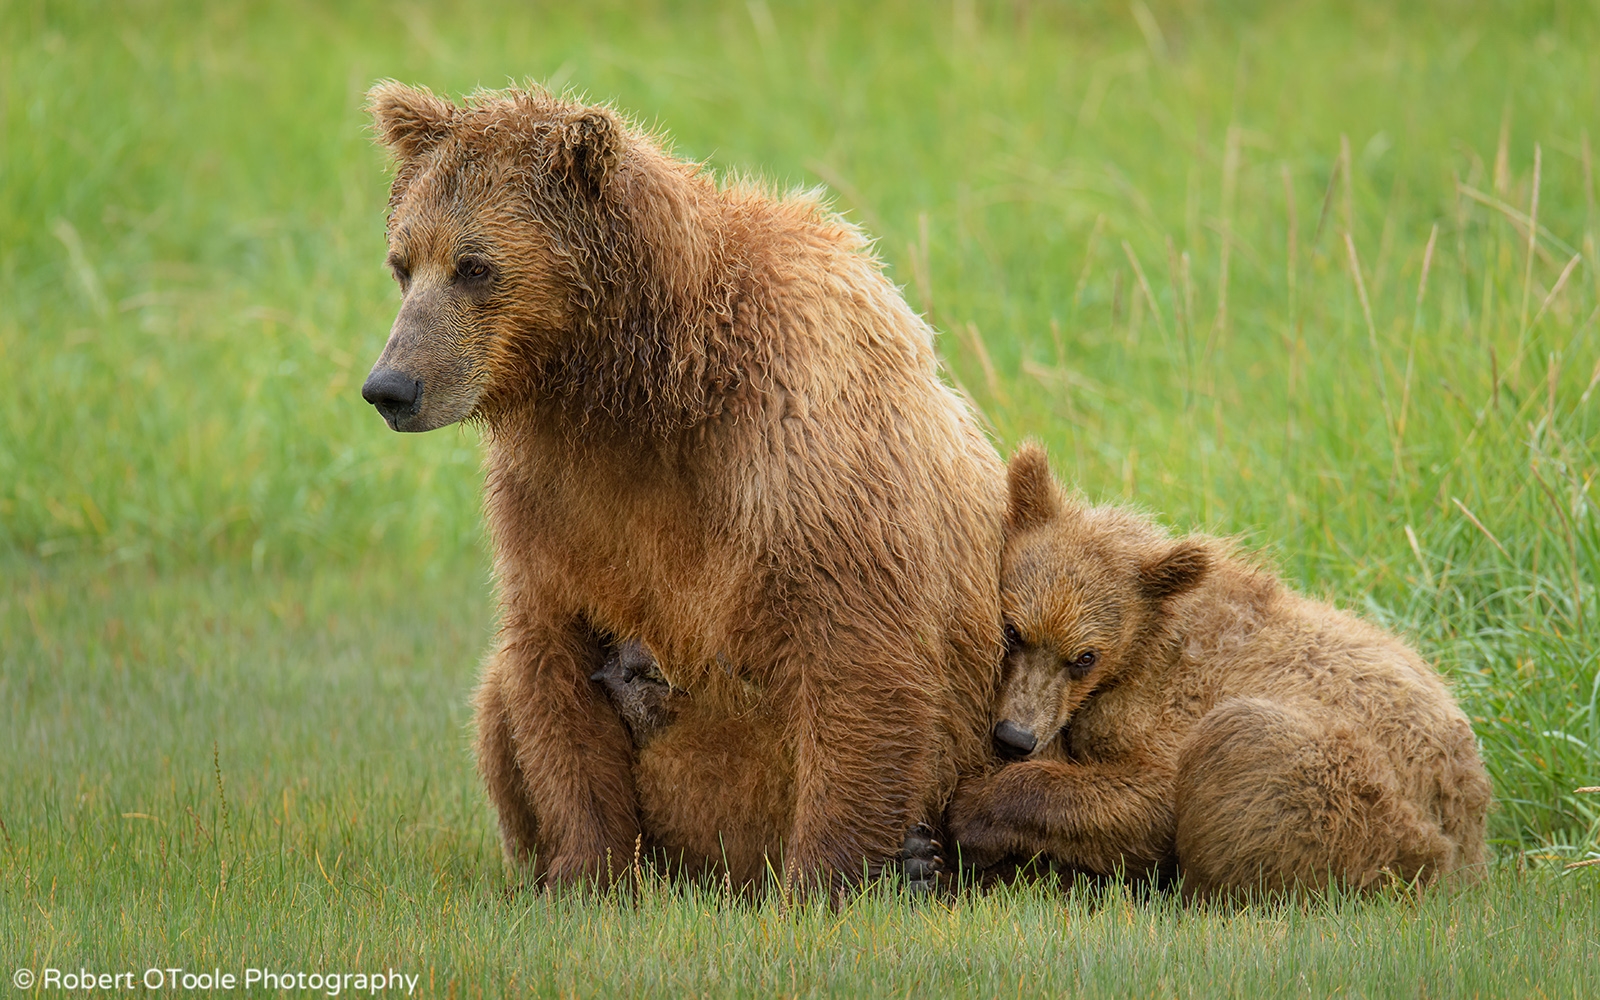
[
  {"x": 409, "y": 120},
  {"x": 1034, "y": 497},
  {"x": 1180, "y": 570},
  {"x": 588, "y": 148}
]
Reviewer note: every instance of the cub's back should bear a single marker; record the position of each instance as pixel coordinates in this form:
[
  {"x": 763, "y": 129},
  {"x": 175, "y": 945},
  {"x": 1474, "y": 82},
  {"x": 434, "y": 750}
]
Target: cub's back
[{"x": 1247, "y": 635}]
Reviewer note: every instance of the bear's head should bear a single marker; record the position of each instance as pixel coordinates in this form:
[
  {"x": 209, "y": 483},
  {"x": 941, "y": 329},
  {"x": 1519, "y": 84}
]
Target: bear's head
[
  {"x": 544, "y": 250},
  {"x": 1085, "y": 592}
]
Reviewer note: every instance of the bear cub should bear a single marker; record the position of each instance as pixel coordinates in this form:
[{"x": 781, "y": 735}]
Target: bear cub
[{"x": 1163, "y": 699}]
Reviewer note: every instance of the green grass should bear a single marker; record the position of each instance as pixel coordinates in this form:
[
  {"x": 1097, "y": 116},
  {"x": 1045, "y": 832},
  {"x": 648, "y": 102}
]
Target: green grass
[
  {"x": 270, "y": 772},
  {"x": 1183, "y": 246}
]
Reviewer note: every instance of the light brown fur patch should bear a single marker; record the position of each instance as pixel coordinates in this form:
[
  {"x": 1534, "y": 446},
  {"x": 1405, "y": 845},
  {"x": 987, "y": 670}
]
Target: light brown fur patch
[{"x": 1261, "y": 739}]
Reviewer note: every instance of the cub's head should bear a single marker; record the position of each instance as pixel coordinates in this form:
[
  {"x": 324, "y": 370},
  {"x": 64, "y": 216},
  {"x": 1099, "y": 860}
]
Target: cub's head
[
  {"x": 515, "y": 236},
  {"x": 1084, "y": 591}
]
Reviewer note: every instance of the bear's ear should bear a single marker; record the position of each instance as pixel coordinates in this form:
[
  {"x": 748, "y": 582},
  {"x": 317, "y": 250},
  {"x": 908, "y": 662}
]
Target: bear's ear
[
  {"x": 1033, "y": 496},
  {"x": 588, "y": 147},
  {"x": 1179, "y": 570},
  {"x": 409, "y": 120}
]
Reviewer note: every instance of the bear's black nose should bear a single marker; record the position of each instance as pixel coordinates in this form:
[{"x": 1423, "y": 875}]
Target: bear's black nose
[
  {"x": 1011, "y": 740},
  {"x": 394, "y": 393}
]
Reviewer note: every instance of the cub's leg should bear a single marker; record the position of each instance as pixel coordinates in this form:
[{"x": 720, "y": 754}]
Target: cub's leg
[
  {"x": 1092, "y": 817},
  {"x": 1270, "y": 796}
]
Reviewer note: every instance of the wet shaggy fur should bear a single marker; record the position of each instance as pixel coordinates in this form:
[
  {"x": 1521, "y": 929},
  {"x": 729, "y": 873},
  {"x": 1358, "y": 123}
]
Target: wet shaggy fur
[
  {"x": 715, "y": 427},
  {"x": 1186, "y": 705}
]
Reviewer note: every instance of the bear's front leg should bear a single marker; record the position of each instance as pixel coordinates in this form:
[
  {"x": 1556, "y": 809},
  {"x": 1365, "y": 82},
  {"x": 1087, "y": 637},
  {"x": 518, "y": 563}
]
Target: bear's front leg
[
  {"x": 554, "y": 754},
  {"x": 921, "y": 863},
  {"x": 867, "y": 750},
  {"x": 496, "y": 753},
  {"x": 1094, "y": 817}
]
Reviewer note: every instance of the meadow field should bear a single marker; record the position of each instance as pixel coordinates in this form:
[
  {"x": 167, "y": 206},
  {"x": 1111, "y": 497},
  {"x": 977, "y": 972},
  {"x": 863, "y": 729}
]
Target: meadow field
[{"x": 1324, "y": 276}]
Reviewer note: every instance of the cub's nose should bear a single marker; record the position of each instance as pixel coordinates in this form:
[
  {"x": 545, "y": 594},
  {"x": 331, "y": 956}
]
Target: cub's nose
[
  {"x": 1012, "y": 741},
  {"x": 395, "y": 394}
]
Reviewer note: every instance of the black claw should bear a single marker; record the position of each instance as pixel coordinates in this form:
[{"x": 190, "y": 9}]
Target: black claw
[{"x": 921, "y": 860}]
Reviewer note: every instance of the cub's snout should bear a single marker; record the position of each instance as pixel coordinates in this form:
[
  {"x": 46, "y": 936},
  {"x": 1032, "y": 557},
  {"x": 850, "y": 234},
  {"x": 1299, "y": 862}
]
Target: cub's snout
[{"x": 1013, "y": 741}]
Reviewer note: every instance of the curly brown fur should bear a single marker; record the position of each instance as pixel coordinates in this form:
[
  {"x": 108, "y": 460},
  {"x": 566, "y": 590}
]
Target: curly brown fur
[
  {"x": 1171, "y": 699},
  {"x": 715, "y": 427}
]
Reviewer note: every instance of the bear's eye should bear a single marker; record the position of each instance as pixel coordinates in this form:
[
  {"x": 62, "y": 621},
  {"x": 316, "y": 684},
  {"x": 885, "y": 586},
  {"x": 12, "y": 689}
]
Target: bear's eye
[
  {"x": 401, "y": 272},
  {"x": 1013, "y": 637},
  {"x": 472, "y": 268},
  {"x": 1083, "y": 663}
]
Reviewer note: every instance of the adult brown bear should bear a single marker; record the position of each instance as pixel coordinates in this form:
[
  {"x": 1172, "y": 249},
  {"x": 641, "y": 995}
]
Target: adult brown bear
[{"x": 713, "y": 426}]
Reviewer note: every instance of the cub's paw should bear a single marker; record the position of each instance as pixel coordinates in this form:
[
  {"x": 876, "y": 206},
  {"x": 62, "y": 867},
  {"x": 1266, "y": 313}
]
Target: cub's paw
[
  {"x": 628, "y": 666},
  {"x": 921, "y": 860},
  {"x": 632, "y": 679}
]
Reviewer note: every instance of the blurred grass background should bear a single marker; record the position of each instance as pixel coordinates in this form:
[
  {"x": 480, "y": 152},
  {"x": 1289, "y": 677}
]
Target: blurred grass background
[{"x": 1322, "y": 275}]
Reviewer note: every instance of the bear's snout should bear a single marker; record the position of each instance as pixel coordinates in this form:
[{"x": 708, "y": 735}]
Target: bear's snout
[
  {"x": 396, "y": 395},
  {"x": 1012, "y": 741}
]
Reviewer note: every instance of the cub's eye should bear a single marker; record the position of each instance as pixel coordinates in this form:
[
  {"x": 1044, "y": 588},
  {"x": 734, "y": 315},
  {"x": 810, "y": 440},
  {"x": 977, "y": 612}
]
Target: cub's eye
[
  {"x": 401, "y": 273},
  {"x": 1083, "y": 663},
  {"x": 1013, "y": 637},
  {"x": 472, "y": 268}
]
